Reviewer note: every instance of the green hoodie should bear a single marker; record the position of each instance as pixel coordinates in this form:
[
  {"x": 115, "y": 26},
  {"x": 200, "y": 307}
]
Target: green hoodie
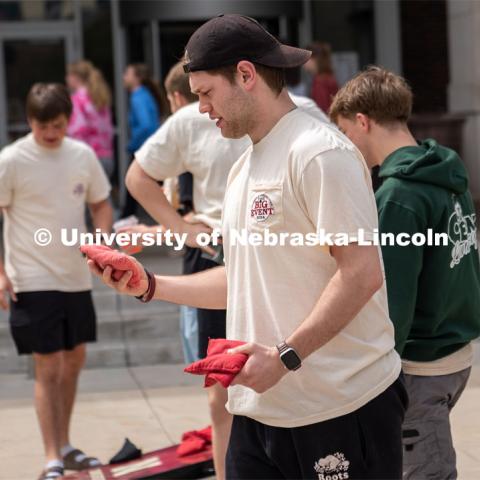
[{"x": 433, "y": 291}]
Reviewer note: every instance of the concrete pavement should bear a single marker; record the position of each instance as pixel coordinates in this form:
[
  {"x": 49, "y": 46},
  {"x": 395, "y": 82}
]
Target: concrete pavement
[{"x": 153, "y": 406}]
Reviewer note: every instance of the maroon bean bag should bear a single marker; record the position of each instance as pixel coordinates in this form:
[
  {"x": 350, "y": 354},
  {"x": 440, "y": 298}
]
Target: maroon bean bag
[{"x": 120, "y": 263}]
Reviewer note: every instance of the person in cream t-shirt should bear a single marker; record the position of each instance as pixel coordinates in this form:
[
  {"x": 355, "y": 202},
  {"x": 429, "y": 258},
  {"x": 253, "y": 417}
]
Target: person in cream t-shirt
[
  {"x": 298, "y": 171},
  {"x": 46, "y": 181},
  {"x": 37, "y": 181},
  {"x": 190, "y": 142}
]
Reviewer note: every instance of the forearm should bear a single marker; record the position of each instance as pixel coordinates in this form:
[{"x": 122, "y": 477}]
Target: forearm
[
  {"x": 150, "y": 195},
  {"x": 102, "y": 216},
  {"x": 207, "y": 289},
  {"x": 340, "y": 302},
  {"x": 2, "y": 268}
]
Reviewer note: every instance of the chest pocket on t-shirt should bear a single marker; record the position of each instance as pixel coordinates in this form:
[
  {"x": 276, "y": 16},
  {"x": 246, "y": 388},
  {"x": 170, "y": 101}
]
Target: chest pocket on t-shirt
[{"x": 265, "y": 208}]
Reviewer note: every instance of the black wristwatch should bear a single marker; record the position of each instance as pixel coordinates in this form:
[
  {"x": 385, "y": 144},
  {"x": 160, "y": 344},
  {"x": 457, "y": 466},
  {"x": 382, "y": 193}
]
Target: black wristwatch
[{"x": 289, "y": 356}]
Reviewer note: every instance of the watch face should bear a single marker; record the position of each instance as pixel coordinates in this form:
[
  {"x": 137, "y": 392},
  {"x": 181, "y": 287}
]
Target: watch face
[{"x": 290, "y": 359}]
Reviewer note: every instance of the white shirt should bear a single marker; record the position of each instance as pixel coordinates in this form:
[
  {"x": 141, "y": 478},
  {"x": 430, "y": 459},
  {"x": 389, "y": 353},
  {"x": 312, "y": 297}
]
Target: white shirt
[
  {"x": 310, "y": 107},
  {"x": 190, "y": 142},
  {"x": 453, "y": 363},
  {"x": 309, "y": 176},
  {"x": 47, "y": 188}
]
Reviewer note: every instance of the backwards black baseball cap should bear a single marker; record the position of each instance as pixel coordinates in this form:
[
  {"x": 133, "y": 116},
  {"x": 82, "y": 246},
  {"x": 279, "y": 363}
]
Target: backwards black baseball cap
[{"x": 228, "y": 39}]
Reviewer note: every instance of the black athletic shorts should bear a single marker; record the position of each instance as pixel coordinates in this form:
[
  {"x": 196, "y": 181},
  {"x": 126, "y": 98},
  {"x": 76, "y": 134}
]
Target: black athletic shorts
[
  {"x": 365, "y": 444},
  {"x": 51, "y": 321},
  {"x": 211, "y": 323}
]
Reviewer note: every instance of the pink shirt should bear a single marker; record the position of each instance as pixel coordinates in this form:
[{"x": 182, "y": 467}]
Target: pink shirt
[{"x": 90, "y": 125}]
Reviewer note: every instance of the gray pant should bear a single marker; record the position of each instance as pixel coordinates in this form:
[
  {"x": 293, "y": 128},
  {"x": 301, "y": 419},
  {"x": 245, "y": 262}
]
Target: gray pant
[{"x": 428, "y": 451}]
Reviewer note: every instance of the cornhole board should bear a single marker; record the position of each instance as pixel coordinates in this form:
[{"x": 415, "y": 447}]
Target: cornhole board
[{"x": 159, "y": 464}]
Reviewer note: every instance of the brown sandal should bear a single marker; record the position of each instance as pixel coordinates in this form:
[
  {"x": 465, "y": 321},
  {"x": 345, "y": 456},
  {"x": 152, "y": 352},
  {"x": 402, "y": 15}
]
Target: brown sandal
[{"x": 77, "y": 460}]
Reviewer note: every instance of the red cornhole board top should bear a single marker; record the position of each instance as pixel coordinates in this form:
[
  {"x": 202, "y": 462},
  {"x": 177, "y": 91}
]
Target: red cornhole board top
[{"x": 159, "y": 464}]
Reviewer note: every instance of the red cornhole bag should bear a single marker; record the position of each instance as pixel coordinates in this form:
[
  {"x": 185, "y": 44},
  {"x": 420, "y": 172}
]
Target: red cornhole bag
[
  {"x": 195, "y": 441},
  {"x": 120, "y": 263},
  {"x": 219, "y": 366}
]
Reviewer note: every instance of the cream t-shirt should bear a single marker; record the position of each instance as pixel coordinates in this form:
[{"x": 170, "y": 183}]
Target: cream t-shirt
[
  {"x": 302, "y": 177},
  {"x": 47, "y": 188},
  {"x": 453, "y": 363},
  {"x": 190, "y": 142}
]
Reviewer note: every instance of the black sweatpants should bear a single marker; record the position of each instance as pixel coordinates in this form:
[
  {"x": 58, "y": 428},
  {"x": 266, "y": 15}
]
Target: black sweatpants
[{"x": 364, "y": 444}]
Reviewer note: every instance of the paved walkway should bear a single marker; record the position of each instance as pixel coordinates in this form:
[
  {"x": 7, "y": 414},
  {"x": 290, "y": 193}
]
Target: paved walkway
[{"x": 153, "y": 406}]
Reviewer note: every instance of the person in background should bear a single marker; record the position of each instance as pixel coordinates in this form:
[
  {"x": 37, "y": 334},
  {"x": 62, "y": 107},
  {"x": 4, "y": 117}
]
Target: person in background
[
  {"x": 181, "y": 189},
  {"x": 46, "y": 180},
  {"x": 433, "y": 291},
  {"x": 188, "y": 315},
  {"x": 91, "y": 120},
  {"x": 324, "y": 84},
  {"x": 148, "y": 106}
]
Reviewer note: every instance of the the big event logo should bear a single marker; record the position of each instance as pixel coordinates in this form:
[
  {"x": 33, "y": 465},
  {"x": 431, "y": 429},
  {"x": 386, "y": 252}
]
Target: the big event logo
[{"x": 462, "y": 233}]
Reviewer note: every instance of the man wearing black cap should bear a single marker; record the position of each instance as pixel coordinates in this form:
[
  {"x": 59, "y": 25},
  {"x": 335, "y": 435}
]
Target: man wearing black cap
[{"x": 320, "y": 394}]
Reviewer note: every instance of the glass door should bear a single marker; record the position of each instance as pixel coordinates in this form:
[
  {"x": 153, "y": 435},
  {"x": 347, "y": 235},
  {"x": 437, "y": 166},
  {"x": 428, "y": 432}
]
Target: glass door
[{"x": 28, "y": 55}]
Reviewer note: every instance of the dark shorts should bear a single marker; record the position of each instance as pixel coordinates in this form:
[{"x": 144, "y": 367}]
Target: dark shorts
[
  {"x": 364, "y": 444},
  {"x": 211, "y": 323},
  {"x": 51, "y": 321}
]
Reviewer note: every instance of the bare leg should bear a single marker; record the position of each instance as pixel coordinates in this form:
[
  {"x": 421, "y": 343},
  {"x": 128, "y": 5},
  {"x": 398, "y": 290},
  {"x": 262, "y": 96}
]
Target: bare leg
[
  {"x": 221, "y": 426},
  {"x": 72, "y": 365},
  {"x": 48, "y": 400}
]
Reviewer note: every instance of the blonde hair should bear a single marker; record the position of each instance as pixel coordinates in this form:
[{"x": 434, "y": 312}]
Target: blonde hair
[
  {"x": 92, "y": 77},
  {"x": 382, "y": 95}
]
